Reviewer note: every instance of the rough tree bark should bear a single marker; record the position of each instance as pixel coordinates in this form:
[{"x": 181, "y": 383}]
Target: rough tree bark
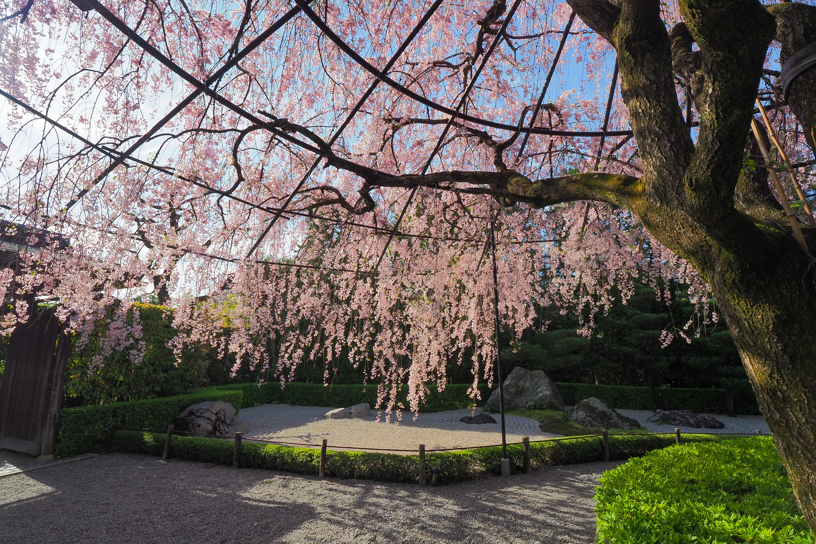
[{"x": 761, "y": 278}]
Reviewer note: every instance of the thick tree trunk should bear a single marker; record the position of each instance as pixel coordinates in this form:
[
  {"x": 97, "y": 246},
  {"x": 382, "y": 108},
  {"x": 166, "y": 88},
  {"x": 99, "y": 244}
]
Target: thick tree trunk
[{"x": 770, "y": 306}]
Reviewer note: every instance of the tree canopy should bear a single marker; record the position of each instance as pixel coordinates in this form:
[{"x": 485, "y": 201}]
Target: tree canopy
[{"x": 328, "y": 174}]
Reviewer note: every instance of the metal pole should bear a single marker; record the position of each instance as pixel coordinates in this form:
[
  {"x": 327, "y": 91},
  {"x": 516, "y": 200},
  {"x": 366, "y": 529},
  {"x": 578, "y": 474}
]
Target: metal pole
[{"x": 498, "y": 351}]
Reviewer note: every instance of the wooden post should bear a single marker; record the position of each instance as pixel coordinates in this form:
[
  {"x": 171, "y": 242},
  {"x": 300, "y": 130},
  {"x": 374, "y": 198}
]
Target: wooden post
[
  {"x": 422, "y": 464},
  {"x": 729, "y": 402},
  {"x": 525, "y": 445},
  {"x": 606, "y": 445},
  {"x": 759, "y": 432},
  {"x": 108, "y": 446},
  {"x": 677, "y": 435},
  {"x": 322, "y": 471},
  {"x": 236, "y": 455},
  {"x": 167, "y": 439}
]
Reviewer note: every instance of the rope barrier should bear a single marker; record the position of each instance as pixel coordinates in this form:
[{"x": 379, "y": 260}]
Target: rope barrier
[{"x": 414, "y": 450}]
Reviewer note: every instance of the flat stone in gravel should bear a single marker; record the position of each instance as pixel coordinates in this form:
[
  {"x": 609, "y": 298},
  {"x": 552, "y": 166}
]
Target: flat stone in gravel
[{"x": 126, "y": 499}]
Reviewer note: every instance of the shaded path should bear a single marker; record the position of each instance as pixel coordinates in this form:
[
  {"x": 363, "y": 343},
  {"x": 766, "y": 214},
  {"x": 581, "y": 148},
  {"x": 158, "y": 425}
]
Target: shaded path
[{"x": 135, "y": 499}]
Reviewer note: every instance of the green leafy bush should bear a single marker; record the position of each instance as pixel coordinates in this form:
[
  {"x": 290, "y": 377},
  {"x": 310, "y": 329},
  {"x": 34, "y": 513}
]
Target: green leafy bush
[
  {"x": 721, "y": 491},
  {"x": 86, "y": 428},
  {"x": 711, "y": 400},
  {"x": 119, "y": 378},
  {"x": 309, "y": 394},
  {"x": 454, "y": 466}
]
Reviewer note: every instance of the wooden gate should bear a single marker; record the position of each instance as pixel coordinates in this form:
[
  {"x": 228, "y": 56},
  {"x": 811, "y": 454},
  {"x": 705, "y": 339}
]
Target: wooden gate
[{"x": 31, "y": 392}]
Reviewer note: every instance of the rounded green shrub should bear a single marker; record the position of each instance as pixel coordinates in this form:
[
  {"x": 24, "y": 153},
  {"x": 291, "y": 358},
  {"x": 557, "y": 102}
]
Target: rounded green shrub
[{"x": 720, "y": 491}]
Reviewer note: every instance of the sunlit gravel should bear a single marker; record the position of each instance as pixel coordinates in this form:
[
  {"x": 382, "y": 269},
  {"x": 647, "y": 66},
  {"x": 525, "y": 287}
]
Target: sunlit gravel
[{"x": 137, "y": 499}]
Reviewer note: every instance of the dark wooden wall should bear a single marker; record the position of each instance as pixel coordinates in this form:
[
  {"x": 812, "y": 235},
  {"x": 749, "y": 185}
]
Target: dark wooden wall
[{"x": 31, "y": 392}]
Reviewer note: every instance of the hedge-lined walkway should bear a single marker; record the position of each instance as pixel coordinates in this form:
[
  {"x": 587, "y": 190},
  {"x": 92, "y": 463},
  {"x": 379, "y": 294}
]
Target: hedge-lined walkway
[
  {"x": 137, "y": 499},
  {"x": 306, "y": 425}
]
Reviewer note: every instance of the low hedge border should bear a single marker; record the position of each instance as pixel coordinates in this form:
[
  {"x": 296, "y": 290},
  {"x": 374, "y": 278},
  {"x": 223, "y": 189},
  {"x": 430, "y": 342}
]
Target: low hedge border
[
  {"x": 311, "y": 394},
  {"x": 454, "y": 466},
  {"x": 727, "y": 491},
  {"x": 86, "y": 428}
]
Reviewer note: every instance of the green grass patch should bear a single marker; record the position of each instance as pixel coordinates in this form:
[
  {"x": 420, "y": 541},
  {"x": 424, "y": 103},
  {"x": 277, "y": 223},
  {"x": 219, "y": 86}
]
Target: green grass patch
[
  {"x": 558, "y": 422},
  {"x": 730, "y": 490}
]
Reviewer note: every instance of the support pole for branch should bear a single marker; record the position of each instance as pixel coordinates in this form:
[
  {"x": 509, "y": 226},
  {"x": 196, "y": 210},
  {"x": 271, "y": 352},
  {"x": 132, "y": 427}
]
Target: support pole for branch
[
  {"x": 498, "y": 351},
  {"x": 677, "y": 435},
  {"x": 606, "y": 445},
  {"x": 796, "y": 185},
  {"x": 783, "y": 198}
]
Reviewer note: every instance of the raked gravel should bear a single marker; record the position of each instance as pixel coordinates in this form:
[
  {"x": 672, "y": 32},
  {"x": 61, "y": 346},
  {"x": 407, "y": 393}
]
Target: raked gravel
[
  {"x": 125, "y": 499},
  {"x": 307, "y": 425}
]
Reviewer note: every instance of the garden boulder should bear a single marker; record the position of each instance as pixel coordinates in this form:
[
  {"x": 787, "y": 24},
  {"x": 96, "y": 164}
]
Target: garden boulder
[
  {"x": 686, "y": 418},
  {"x": 478, "y": 419},
  {"x": 358, "y": 410},
  {"x": 211, "y": 417},
  {"x": 594, "y": 412},
  {"x": 524, "y": 389}
]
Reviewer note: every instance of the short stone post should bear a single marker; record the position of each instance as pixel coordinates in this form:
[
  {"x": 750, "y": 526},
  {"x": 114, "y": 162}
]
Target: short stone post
[
  {"x": 677, "y": 435},
  {"x": 525, "y": 445},
  {"x": 322, "y": 471},
  {"x": 606, "y": 445},
  {"x": 236, "y": 455},
  {"x": 167, "y": 439},
  {"x": 422, "y": 464}
]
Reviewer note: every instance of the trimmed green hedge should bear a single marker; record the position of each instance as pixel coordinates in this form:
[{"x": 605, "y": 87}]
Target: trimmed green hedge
[
  {"x": 668, "y": 398},
  {"x": 85, "y": 428},
  {"x": 455, "y": 396},
  {"x": 309, "y": 394},
  {"x": 729, "y": 491},
  {"x": 454, "y": 466}
]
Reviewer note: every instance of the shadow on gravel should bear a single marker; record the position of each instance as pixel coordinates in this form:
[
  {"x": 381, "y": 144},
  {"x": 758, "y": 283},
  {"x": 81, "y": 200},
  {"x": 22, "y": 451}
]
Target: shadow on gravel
[{"x": 130, "y": 498}]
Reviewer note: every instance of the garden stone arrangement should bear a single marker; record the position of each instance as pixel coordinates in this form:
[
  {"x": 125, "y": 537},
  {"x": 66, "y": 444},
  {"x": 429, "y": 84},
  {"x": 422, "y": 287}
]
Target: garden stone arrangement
[
  {"x": 593, "y": 412},
  {"x": 478, "y": 419},
  {"x": 358, "y": 410},
  {"x": 211, "y": 417},
  {"x": 686, "y": 418},
  {"x": 525, "y": 389}
]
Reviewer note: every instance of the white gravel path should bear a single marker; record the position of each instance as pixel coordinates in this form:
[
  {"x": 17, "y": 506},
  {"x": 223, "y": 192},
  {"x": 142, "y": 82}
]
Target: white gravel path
[
  {"x": 307, "y": 425},
  {"x": 136, "y": 499},
  {"x": 439, "y": 430}
]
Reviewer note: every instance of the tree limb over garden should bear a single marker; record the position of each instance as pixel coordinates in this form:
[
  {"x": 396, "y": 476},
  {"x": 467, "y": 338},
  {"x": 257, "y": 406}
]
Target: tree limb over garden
[{"x": 684, "y": 196}]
